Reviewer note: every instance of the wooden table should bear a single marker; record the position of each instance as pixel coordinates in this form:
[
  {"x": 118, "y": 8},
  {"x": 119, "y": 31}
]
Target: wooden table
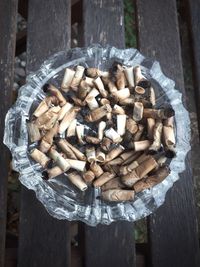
[{"x": 45, "y": 241}]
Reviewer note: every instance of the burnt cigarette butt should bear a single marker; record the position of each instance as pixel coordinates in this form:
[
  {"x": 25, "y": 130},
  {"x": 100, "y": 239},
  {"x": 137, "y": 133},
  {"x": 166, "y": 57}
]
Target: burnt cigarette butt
[
  {"x": 131, "y": 126},
  {"x": 93, "y": 93},
  {"x": 118, "y": 195},
  {"x": 141, "y": 145},
  {"x": 78, "y": 165},
  {"x": 90, "y": 154},
  {"x": 42, "y": 108},
  {"x": 114, "y": 183},
  {"x": 101, "y": 128},
  {"x": 158, "y": 113},
  {"x": 67, "y": 79},
  {"x": 121, "y": 94},
  {"x": 140, "y": 80},
  {"x": 78, "y": 101},
  {"x": 120, "y": 77},
  {"x": 54, "y": 172},
  {"x": 68, "y": 118},
  {"x": 71, "y": 130},
  {"x": 118, "y": 110},
  {"x": 139, "y": 132},
  {"x": 66, "y": 149},
  {"x": 47, "y": 119},
  {"x": 92, "y": 140},
  {"x": 33, "y": 131},
  {"x": 111, "y": 87},
  {"x": 47, "y": 140},
  {"x": 138, "y": 111},
  {"x": 100, "y": 156},
  {"x": 130, "y": 101},
  {"x": 59, "y": 159},
  {"x": 77, "y": 152},
  {"x": 113, "y": 135},
  {"x": 96, "y": 169},
  {"x": 77, "y": 77},
  {"x": 80, "y": 133},
  {"x": 129, "y": 76},
  {"x": 39, "y": 157},
  {"x": 99, "y": 84},
  {"x": 56, "y": 92},
  {"x": 83, "y": 89},
  {"x": 92, "y": 103},
  {"x": 105, "y": 177},
  {"x": 99, "y": 113},
  {"x": 116, "y": 161},
  {"x": 169, "y": 141},
  {"x": 77, "y": 180},
  {"x": 155, "y": 146},
  {"x": 150, "y": 127},
  {"x": 92, "y": 72},
  {"x": 152, "y": 96},
  {"x": 152, "y": 180},
  {"x": 139, "y": 90},
  {"x": 121, "y": 124},
  {"x": 88, "y": 176},
  {"x": 89, "y": 81},
  {"x": 115, "y": 152},
  {"x": 64, "y": 110},
  {"x": 106, "y": 144}
]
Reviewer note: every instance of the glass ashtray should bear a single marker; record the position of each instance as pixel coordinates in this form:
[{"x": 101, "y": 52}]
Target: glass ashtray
[{"x": 62, "y": 199}]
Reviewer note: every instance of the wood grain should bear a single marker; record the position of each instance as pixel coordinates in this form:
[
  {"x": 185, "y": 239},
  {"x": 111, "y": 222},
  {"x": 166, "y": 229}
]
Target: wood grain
[
  {"x": 44, "y": 241},
  {"x": 173, "y": 228},
  {"x": 194, "y": 22},
  {"x": 111, "y": 245},
  {"x": 8, "y": 16}
]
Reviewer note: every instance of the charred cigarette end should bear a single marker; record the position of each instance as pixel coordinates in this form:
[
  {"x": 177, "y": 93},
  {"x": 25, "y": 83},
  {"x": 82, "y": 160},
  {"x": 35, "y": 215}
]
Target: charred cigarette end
[
  {"x": 131, "y": 126},
  {"x": 138, "y": 111},
  {"x": 169, "y": 112},
  {"x": 92, "y": 140},
  {"x": 88, "y": 176},
  {"x": 96, "y": 169},
  {"x": 114, "y": 183},
  {"x": 45, "y": 88},
  {"x": 52, "y": 173},
  {"x": 113, "y": 135},
  {"x": 118, "y": 195},
  {"x": 33, "y": 131},
  {"x": 106, "y": 144},
  {"x": 129, "y": 76},
  {"x": 115, "y": 152}
]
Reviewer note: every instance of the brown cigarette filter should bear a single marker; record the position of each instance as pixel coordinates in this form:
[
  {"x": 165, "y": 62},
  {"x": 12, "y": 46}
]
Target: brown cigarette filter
[
  {"x": 88, "y": 176},
  {"x": 47, "y": 140},
  {"x": 78, "y": 165},
  {"x": 96, "y": 169},
  {"x": 92, "y": 72},
  {"x": 64, "y": 110},
  {"x": 129, "y": 76},
  {"x": 99, "y": 84},
  {"x": 106, "y": 144},
  {"x": 130, "y": 101},
  {"x": 105, "y": 177},
  {"x": 152, "y": 180},
  {"x": 120, "y": 77},
  {"x": 169, "y": 141},
  {"x": 155, "y": 146},
  {"x": 59, "y": 159},
  {"x": 141, "y": 145},
  {"x": 77, "y": 180},
  {"x": 138, "y": 111},
  {"x": 77, "y": 152},
  {"x": 139, "y": 132},
  {"x": 90, "y": 154},
  {"x": 67, "y": 79},
  {"x": 139, "y": 90},
  {"x": 39, "y": 157},
  {"x": 48, "y": 119},
  {"x": 99, "y": 113},
  {"x": 77, "y": 77},
  {"x": 115, "y": 152},
  {"x": 71, "y": 130},
  {"x": 68, "y": 118},
  {"x": 118, "y": 110},
  {"x": 53, "y": 172},
  {"x": 158, "y": 113},
  {"x": 131, "y": 126},
  {"x": 118, "y": 195},
  {"x": 83, "y": 90},
  {"x": 42, "y": 108},
  {"x": 114, "y": 183},
  {"x": 55, "y": 91},
  {"x": 92, "y": 140},
  {"x": 62, "y": 143},
  {"x": 33, "y": 131},
  {"x": 100, "y": 156}
]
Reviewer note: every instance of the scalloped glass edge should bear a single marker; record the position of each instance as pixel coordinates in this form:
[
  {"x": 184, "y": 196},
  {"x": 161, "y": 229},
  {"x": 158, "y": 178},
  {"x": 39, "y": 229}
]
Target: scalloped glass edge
[{"x": 145, "y": 202}]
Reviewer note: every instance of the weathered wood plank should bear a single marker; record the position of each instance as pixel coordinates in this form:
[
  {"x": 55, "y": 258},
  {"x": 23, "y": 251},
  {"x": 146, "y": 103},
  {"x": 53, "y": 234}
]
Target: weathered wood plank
[
  {"x": 173, "y": 228},
  {"x": 111, "y": 245},
  {"x": 8, "y": 18},
  {"x": 194, "y": 18},
  {"x": 44, "y": 241},
  {"x": 103, "y": 22}
]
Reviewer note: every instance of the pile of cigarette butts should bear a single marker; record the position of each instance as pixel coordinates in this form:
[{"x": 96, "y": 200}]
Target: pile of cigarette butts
[{"x": 102, "y": 129}]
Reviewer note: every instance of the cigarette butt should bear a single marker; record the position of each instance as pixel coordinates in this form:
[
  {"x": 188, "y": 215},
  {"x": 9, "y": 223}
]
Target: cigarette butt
[
  {"x": 106, "y": 144},
  {"x": 139, "y": 90},
  {"x": 78, "y": 101},
  {"x": 77, "y": 152},
  {"x": 89, "y": 81},
  {"x": 142, "y": 145},
  {"x": 129, "y": 76},
  {"x": 71, "y": 130},
  {"x": 88, "y": 176},
  {"x": 114, "y": 183},
  {"x": 152, "y": 180},
  {"x": 33, "y": 131},
  {"x": 92, "y": 72},
  {"x": 64, "y": 110},
  {"x": 92, "y": 140},
  {"x": 77, "y": 77},
  {"x": 78, "y": 165},
  {"x": 105, "y": 177},
  {"x": 68, "y": 118},
  {"x": 54, "y": 172},
  {"x": 80, "y": 133},
  {"x": 83, "y": 89},
  {"x": 90, "y": 154},
  {"x": 121, "y": 124},
  {"x": 158, "y": 113},
  {"x": 120, "y": 77},
  {"x": 77, "y": 180},
  {"x": 67, "y": 79},
  {"x": 96, "y": 169},
  {"x": 92, "y": 103},
  {"x": 155, "y": 146},
  {"x": 118, "y": 195},
  {"x": 152, "y": 96},
  {"x": 101, "y": 128},
  {"x": 42, "y": 108},
  {"x": 100, "y": 156},
  {"x": 58, "y": 158},
  {"x": 99, "y": 84},
  {"x": 55, "y": 91},
  {"x": 139, "y": 132},
  {"x": 138, "y": 111},
  {"x": 140, "y": 80},
  {"x": 115, "y": 152},
  {"x": 99, "y": 113},
  {"x": 66, "y": 149},
  {"x": 122, "y": 94},
  {"x": 113, "y": 135},
  {"x": 131, "y": 126},
  {"x": 150, "y": 127},
  {"x": 130, "y": 101},
  {"x": 39, "y": 157},
  {"x": 118, "y": 110}
]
